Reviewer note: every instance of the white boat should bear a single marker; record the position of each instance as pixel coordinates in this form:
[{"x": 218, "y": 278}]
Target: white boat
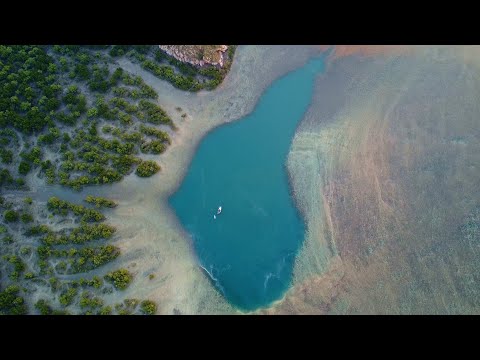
[
  {"x": 219, "y": 210},
  {"x": 214, "y": 216}
]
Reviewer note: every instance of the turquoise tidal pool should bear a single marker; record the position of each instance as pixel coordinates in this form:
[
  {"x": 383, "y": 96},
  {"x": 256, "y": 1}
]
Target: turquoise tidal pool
[{"x": 248, "y": 249}]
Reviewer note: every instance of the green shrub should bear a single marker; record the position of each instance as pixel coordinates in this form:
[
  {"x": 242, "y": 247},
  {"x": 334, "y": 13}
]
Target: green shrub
[
  {"x": 44, "y": 307},
  {"x": 89, "y": 258},
  {"x": 100, "y": 201},
  {"x": 26, "y": 218},
  {"x": 106, "y": 310},
  {"x": 6, "y": 155},
  {"x": 87, "y": 300},
  {"x": 148, "y": 307},
  {"x": 147, "y": 168},
  {"x": 68, "y": 297},
  {"x": 8, "y": 239},
  {"x": 25, "y": 250},
  {"x": 11, "y": 303},
  {"x": 120, "y": 278},
  {"x": 10, "y": 216},
  {"x": 96, "y": 282}
]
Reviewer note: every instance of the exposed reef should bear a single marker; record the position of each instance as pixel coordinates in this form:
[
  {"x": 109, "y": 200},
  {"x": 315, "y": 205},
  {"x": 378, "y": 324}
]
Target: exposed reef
[{"x": 197, "y": 54}]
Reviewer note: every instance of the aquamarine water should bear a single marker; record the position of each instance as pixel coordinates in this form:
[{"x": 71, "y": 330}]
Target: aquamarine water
[{"x": 249, "y": 249}]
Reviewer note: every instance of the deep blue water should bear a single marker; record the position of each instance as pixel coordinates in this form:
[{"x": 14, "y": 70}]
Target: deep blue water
[{"x": 250, "y": 248}]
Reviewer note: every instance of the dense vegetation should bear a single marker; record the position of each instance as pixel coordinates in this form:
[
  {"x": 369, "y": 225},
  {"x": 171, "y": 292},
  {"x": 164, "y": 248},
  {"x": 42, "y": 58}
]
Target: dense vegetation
[
  {"x": 11, "y": 303},
  {"x": 148, "y": 307},
  {"x": 10, "y": 216},
  {"x": 73, "y": 249},
  {"x": 44, "y": 307},
  {"x": 63, "y": 208},
  {"x": 82, "y": 234},
  {"x": 147, "y": 168},
  {"x": 120, "y": 278},
  {"x": 54, "y": 99},
  {"x": 71, "y": 116},
  {"x": 100, "y": 202},
  {"x": 181, "y": 75}
]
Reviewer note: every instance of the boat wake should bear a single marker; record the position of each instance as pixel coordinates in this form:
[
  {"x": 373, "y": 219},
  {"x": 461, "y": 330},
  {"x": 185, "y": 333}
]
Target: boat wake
[
  {"x": 213, "y": 278},
  {"x": 280, "y": 266},
  {"x": 267, "y": 277}
]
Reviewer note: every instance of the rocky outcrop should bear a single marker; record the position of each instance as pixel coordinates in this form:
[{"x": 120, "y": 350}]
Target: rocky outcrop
[{"x": 198, "y": 55}]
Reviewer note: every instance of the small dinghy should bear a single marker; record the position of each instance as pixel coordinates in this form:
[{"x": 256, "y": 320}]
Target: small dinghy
[{"x": 218, "y": 212}]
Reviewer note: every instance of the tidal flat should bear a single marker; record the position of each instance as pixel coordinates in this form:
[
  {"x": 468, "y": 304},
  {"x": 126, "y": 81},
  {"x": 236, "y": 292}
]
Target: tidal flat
[
  {"x": 385, "y": 170},
  {"x": 148, "y": 234}
]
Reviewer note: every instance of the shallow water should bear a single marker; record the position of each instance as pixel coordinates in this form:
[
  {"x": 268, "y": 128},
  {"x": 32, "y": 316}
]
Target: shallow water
[
  {"x": 248, "y": 250},
  {"x": 384, "y": 165}
]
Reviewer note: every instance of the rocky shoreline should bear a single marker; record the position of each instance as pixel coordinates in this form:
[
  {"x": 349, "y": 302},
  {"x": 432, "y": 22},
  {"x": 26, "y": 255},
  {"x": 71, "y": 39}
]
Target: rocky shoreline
[{"x": 198, "y": 55}]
